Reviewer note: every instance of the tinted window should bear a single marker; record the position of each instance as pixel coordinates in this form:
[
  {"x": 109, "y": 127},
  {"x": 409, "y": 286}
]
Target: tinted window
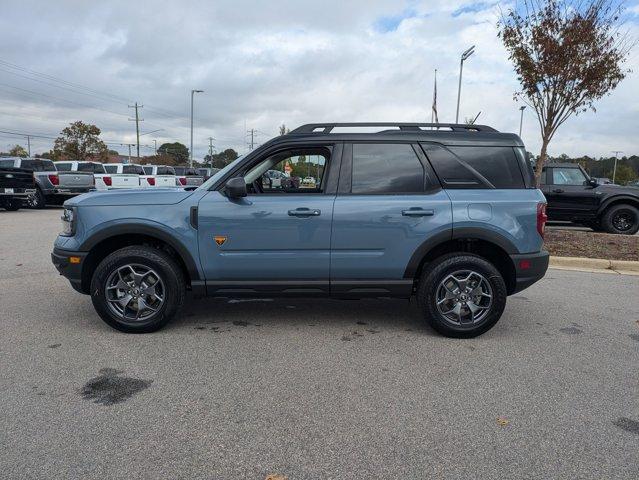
[
  {"x": 132, "y": 169},
  {"x": 6, "y": 163},
  {"x": 148, "y": 170},
  {"x": 191, "y": 171},
  {"x": 386, "y": 168},
  {"x": 111, "y": 168},
  {"x": 202, "y": 171},
  {"x": 47, "y": 165},
  {"x": 90, "y": 167},
  {"x": 63, "y": 167},
  {"x": 166, "y": 171},
  {"x": 179, "y": 170},
  {"x": 498, "y": 165},
  {"x": 35, "y": 165},
  {"x": 568, "y": 176}
]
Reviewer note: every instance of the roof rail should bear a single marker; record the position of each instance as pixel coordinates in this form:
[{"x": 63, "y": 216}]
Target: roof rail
[{"x": 455, "y": 127}]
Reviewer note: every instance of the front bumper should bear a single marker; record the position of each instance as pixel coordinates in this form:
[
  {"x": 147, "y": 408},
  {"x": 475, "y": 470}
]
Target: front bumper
[
  {"x": 529, "y": 268},
  {"x": 71, "y": 271}
]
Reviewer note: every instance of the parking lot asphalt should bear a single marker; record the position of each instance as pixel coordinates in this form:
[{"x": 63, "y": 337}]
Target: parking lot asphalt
[{"x": 313, "y": 388}]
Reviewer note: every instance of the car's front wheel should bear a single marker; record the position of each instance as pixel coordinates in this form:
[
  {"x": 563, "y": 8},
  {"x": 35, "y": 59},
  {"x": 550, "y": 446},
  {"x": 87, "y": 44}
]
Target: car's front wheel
[
  {"x": 138, "y": 289},
  {"x": 462, "y": 295},
  {"x": 621, "y": 219}
]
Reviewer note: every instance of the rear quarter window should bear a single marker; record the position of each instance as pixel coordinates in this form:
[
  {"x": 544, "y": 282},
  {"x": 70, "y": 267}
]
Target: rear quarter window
[{"x": 476, "y": 167}]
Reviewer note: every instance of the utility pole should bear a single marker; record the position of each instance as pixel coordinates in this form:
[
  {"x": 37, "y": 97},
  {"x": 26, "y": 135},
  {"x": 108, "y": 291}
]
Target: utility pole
[
  {"x": 137, "y": 120},
  {"x": 464, "y": 56},
  {"x": 614, "y": 171},
  {"x": 211, "y": 151},
  {"x": 28, "y": 145},
  {"x": 129, "y": 153},
  {"x": 155, "y": 146},
  {"x": 252, "y": 132},
  {"x": 521, "y": 119},
  {"x": 191, "y": 151}
]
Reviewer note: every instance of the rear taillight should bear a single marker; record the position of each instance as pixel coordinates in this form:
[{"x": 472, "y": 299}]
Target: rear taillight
[
  {"x": 182, "y": 180},
  {"x": 151, "y": 181},
  {"x": 542, "y": 218},
  {"x": 53, "y": 178},
  {"x": 107, "y": 181}
]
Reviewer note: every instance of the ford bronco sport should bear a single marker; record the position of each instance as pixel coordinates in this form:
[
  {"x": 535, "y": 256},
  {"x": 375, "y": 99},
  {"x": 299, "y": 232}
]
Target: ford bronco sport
[{"x": 446, "y": 213}]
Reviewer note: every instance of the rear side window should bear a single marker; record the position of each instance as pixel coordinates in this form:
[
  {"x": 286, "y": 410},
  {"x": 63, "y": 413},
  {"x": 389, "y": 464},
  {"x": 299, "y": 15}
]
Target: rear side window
[
  {"x": 476, "y": 167},
  {"x": 111, "y": 168},
  {"x": 63, "y": 167},
  {"x": 135, "y": 169},
  {"x": 386, "y": 168},
  {"x": 498, "y": 165},
  {"x": 166, "y": 171}
]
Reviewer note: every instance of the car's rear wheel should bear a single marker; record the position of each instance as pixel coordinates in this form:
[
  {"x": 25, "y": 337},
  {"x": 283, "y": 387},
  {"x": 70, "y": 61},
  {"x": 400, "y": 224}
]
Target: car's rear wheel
[
  {"x": 138, "y": 289},
  {"x": 462, "y": 295},
  {"x": 621, "y": 219},
  {"x": 12, "y": 205}
]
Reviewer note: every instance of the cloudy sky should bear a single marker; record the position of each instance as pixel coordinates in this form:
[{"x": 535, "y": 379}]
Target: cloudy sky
[{"x": 262, "y": 64}]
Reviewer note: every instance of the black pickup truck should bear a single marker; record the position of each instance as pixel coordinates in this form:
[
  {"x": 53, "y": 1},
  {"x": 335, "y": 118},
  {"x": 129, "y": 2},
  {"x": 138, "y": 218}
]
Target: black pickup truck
[
  {"x": 16, "y": 186},
  {"x": 573, "y": 196}
]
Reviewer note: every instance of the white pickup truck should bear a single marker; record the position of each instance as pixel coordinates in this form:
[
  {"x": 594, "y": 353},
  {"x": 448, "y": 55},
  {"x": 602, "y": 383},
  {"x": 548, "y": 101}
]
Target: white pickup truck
[
  {"x": 102, "y": 179},
  {"x": 124, "y": 175},
  {"x": 159, "y": 176}
]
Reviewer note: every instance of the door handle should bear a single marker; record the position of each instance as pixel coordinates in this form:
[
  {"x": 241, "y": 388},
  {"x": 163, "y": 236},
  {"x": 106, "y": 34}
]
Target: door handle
[
  {"x": 558, "y": 190},
  {"x": 305, "y": 212},
  {"x": 418, "y": 212}
]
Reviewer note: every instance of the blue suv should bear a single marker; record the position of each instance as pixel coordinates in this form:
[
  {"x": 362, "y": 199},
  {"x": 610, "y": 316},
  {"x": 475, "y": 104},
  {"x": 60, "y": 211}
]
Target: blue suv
[{"x": 447, "y": 213}]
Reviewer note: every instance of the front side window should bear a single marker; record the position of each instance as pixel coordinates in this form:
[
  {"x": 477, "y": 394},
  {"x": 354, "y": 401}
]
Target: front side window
[
  {"x": 386, "y": 168},
  {"x": 291, "y": 171},
  {"x": 568, "y": 176}
]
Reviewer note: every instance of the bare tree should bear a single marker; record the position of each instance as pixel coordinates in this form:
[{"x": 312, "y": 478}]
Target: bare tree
[{"x": 567, "y": 54}]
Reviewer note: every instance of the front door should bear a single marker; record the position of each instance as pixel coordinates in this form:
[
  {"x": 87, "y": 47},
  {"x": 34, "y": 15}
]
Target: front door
[
  {"x": 276, "y": 240},
  {"x": 389, "y": 203},
  {"x": 569, "y": 194}
]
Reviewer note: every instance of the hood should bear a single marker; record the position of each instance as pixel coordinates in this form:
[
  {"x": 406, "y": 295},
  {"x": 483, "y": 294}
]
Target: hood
[{"x": 156, "y": 196}]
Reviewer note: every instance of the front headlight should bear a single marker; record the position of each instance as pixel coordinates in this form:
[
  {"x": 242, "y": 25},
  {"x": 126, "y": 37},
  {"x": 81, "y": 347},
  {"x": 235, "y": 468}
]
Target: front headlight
[{"x": 68, "y": 222}]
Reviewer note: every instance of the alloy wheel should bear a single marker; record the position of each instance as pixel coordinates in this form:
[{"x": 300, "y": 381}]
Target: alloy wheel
[
  {"x": 134, "y": 292},
  {"x": 464, "y": 297}
]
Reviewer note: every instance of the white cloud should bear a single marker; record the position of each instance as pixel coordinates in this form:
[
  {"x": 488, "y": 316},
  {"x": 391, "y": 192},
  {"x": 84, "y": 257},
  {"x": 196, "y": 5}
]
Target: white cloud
[{"x": 267, "y": 63}]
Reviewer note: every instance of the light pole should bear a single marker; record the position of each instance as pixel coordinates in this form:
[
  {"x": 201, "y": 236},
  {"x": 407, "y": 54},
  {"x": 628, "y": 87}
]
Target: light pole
[
  {"x": 191, "y": 151},
  {"x": 521, "y": 118},
  {"x": 614, "y": 171},
  {"x": 464, "y": 56}
]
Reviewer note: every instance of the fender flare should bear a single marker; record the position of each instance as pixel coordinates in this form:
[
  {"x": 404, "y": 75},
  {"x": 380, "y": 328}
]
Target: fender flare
[
  {"x": 470, "y": 233},
  {"x": 144, "y": 229},
  {"x": 634, "y": 201}
]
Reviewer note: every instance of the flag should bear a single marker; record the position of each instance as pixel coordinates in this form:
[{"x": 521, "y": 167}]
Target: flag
[{"x": 433, "y": 115}]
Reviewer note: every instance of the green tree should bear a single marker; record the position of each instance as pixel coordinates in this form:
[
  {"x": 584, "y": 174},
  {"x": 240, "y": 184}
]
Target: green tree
[
  {"x": 567, "y": 54},
  {"x": 18, "y": 151},
  {"x": 221, "y": 159},
  {"x": 178, "y": 153},
  {"x": 80, "y": 141},
  {"x": 624, "y": 174}
]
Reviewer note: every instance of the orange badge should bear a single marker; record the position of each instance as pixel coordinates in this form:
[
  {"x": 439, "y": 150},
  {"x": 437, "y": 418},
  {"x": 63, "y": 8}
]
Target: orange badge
[{"x": 220, "y": 240}]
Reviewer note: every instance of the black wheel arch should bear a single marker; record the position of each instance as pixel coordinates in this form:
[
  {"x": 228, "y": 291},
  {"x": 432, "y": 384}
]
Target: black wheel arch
[
  {"x": 489, "y": 245},
  {"x": 624, "y": 199},
  {"x": 119, "y": 236}
]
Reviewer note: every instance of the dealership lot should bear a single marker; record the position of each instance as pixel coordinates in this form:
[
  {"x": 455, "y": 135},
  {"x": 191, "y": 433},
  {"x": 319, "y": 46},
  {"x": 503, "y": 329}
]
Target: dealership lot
[{"x": 313, "y": 388}]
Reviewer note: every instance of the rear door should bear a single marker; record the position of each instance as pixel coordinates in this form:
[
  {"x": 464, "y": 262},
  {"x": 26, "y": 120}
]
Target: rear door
[{"x": 389, "y": 203}]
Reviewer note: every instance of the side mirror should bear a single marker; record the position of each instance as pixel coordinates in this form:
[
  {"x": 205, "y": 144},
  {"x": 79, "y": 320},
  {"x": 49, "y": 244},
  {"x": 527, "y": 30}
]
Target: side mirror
[
  {"x": 236, "y": 187},
  {"x": 593, "y": 182}
]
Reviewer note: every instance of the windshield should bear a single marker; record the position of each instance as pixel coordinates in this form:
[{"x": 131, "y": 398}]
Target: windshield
[{"x": 206, "y": 185}]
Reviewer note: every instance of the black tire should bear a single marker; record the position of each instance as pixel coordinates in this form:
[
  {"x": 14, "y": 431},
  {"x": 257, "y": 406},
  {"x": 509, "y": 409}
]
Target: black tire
[
  {"x": 429, "y": 286},
  {"x": 621, "y": 219},
  {"x": 37, "y": 200},
  {"x": 13, "y": 205},
  {"x": 172, "y": 282}
]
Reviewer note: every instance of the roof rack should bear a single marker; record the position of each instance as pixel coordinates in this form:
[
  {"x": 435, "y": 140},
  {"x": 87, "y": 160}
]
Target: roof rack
[{"x": 455, "y": 127}]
